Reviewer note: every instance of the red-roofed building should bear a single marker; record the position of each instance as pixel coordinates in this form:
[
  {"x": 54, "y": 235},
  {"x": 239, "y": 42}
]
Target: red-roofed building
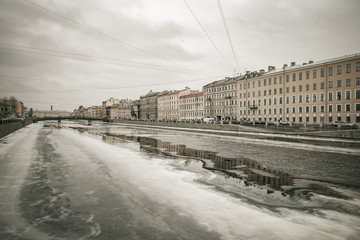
[{"x": 168, "y": 104}]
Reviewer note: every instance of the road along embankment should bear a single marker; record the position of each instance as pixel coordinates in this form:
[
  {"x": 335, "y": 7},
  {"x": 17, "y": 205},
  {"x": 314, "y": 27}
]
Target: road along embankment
[{"x": 8, "y": 128}]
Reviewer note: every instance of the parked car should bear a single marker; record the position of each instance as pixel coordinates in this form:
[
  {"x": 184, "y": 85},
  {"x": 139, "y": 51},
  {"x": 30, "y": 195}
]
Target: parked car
[
  {"x": 235, "y": 122},
  {"x": 337, "y": 123},
  {"x": 271, "y": 123},
  {"x": 224, "y": 122},
  {"x": 284, "y": 122},
  {"x": 351, "y": 125}
]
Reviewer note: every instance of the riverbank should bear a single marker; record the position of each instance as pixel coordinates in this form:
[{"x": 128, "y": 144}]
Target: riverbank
[
  {"x": 310, "y": 130},
  {"x": 6, "y": 129}
]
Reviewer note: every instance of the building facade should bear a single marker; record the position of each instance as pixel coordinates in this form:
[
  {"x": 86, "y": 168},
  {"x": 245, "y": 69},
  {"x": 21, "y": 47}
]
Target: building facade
[
  {"x": 97, "y": 112},
  {"x": 192, "y": 106},
  {"x": 120, "y": 112},
  {"x": 313, "y": 92},
  {"x": 220, "y": 99},
  {"x": 168, "y": 104},
  {"x": 148, "y": 106}
]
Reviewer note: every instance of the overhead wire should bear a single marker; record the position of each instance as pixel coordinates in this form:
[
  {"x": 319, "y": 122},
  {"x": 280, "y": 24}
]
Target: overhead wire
[
  {"x": 97, "y": 59},
  {"x": 227, "y": 32},
  {"x": 99, "y": 32},
  {"x": 207, "y": 35}
]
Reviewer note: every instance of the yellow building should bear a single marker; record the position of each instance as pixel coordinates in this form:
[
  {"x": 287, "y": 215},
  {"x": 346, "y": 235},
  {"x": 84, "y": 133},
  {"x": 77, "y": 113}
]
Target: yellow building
[
  {"x": 192, "y": 106},
  {"x": 313, "y": 92}
]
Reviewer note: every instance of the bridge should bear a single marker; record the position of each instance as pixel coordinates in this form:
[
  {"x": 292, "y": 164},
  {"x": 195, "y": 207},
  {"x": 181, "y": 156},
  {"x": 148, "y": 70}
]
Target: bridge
[{"x": 59, "y": 119}]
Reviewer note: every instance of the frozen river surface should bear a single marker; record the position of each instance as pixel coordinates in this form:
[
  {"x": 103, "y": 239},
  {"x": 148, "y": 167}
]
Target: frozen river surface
[{"x": 118, "y": 182}]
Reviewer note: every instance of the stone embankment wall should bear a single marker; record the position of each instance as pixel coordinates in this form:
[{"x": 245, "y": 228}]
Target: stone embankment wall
[{"x": 8, "y": 128}]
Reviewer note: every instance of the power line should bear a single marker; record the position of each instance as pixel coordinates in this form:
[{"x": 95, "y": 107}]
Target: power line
[
  {"x": 112, "y": 88},
  {"x": 207, "y": 35},
  {"x": 227, "y": 31},
  {"x": 98, "y": 32},
  {"x": 97, "y": 59}
]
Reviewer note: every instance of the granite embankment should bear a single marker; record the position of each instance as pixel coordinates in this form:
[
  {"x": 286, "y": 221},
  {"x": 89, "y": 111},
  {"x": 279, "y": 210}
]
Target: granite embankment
[
  {"x": 309, "y": 130},
  {"x": 11, "y": 126}
]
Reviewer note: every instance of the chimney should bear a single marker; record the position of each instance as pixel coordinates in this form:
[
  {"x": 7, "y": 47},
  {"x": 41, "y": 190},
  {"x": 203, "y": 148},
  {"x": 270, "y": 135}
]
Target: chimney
[
  {"x": 271, "y": 68},
  {"x": 311, "y": 61},
  {"x": 262, "y": 71},
  {"x": 292, "y": 64},
  {"x": 285, "y": 65}
]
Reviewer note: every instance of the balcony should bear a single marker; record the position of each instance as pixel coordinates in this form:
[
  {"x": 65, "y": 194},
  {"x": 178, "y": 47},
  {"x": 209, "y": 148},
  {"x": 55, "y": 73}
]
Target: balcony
[
  {"x": 228, "y": 97},
  {"x": 253, "y": 107}
]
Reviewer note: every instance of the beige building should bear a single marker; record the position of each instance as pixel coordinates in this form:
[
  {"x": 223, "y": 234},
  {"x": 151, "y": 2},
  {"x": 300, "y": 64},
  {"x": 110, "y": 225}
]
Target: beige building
[
  {"x": 168, "y": 104},
  {"x": 220, "y": 99},
  {"x": 192, "y": 106},
  {"x": 312, "y": 92},
  {"x": 111, "y": 101},
  {"x": 97, "y": 112},
  {"x": 51, "y": 114},
  {"x": 120, "y": 112}
]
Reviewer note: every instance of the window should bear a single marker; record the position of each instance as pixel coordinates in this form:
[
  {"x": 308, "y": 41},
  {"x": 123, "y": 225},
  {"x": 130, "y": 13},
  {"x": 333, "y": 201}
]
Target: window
[
  {"x": 264, "y": 92},
  {"x": 287, "y": 110},
  {"x": 322, "y": 108},
  {"x": 358, "y": 66},
  {"x": 330, "y": 108},
  {"x": 314, "y": 73},
  {"x": 275, "y": 91},
  {"x": 287, "y": 78},
  {"x": 274, "y": 101},
  {"x": 264, "y": 102},
  {"x": 347, "y": 95},
  {"x": 338, "y": 107},
  {"x": 348, "y": 68},
  {"x": 269, "y": 110},
  {"x": 330, "y": 96},
  {"x": 293, "y": 88},
  {"x": 314, "y": 86},
  {"x": 300, "y": 109},
  {"x": 293, "y": 109},
  {"x": 264, "y": 82},
  {"x": 253, "y": 83},
  {"x": 338, "y": 69},
  {"x": 300, "y": 88},
  {"x": 307, "y": 98},
  {"x": 330, "y": 119},
  {"x": 330, "y": 84},
  {"x": 300, "y": 98},
  {"x": 322, "y": 97},
  {"x": 259, "y": 93},
  {"x": 294, "y": 77},
  {"x": 269, "y": 81},
  {"x": 357, "y": 107},
  {"x": 314, "y": 109},
  {"x": 307, "y": 109},
  {"x": 269, "y": 91},
  {"x": 357, "y": 81},
  {"x": 293, "y": 99},
  {"x": 280, "y": 110},
  {"x": 274, "y": 110},
  {"x": 347, "y": 107},
  {"x": 330, "y": 71},
  {"x": 274, "y": 80},
  {"x": 280, "y": 90},
  {"x": 280, "y": 79},
  {"x": 269, "y": 101},
  {"x": 307, "y": 87},
  {"x": 338, "y": 83},
  {"x": 322, "y": 85},
  {"x": 322, "y": 72},
  {"x": 280, "y": 100},
  {"x": 314, "y": 119},
  {"x": 314, "y": 97},
  {"x": 287, "y": 89},
  {"x": 307, "y": 74},
  {"x": 357, "y": 94},
  {"x": 338, "y": 95},
  {"x": 348, "y": 82},
  {"x": 300, "y": 75},
  {"x": 287, "y": 99}
]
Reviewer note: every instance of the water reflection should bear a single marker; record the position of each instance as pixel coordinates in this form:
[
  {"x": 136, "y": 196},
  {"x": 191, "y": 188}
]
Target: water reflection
[{"x": 243, "y": 168}]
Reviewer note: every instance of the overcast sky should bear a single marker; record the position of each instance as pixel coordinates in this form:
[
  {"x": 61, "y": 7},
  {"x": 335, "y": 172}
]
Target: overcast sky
[{"x": 68, "y": 53}]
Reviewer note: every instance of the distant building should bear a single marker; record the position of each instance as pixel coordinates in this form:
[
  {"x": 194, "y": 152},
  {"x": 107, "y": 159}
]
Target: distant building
[
  {"x": 111, "y": 101},
  {"x": 192, "y": 106},
  {"x": 97, "y": 112},
  {"x": 168, "y": 104},
  {"x": 148, "y": 106},
  {"x": 220, "y": 99},
  {"x": 52, "y": 114},
  {"x": 120, "y": 112},
  {"x": 12, "y": 108}
]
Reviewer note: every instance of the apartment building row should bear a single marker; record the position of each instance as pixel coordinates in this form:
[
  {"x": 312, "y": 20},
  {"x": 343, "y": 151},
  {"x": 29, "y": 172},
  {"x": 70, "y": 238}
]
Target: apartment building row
[{"x": 312, "y": 92}]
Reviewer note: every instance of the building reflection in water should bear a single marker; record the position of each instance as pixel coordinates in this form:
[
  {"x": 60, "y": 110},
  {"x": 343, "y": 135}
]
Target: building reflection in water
[{"x": 247, "y": 169}]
